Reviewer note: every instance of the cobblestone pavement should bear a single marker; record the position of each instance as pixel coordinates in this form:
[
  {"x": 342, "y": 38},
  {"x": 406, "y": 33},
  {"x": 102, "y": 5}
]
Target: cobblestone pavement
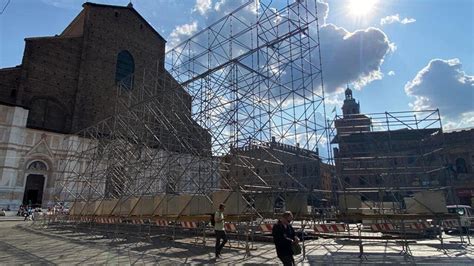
[{"x": 25, "y": 243}]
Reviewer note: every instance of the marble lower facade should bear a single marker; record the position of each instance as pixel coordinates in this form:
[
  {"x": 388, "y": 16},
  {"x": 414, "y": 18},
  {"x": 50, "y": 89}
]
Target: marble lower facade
[
  {"x": 32, "y": 162},
  {"x": 28, "y": 160}
]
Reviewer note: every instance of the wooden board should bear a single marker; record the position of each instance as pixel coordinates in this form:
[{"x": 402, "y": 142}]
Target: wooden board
[
  {"x": 146, "y": 205},
  {"x": 264, "y": 202},
  {"x": 77, "y": 207},
  {"x": 106, "y": 207},
  {"x": 125, "y": 206},
  {"x": 90, "y": 208},
  {"x": 198, "y": 205},
  {"x": 425, "y": 202},
  {"x": 297, "y": 203},
  {"x": 234, "y": 202}
]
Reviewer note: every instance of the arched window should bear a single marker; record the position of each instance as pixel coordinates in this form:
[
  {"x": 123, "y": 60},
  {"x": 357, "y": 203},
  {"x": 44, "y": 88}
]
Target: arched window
[
  {"x": 38, "y": 166},
  {"x": 461, "y": 166},
  {"x": 125, "y": 69}
]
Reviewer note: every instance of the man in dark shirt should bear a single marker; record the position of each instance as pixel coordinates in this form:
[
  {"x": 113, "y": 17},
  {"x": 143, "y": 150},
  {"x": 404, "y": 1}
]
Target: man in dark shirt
[{"x": 283, "y": 237}]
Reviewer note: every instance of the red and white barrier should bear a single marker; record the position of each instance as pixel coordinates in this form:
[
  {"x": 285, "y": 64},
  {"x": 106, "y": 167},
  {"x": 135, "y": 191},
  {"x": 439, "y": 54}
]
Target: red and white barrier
[
  {"x": 189, "y": 225},
  {"x": 161, "y": 222},
  {"x": 329, "y": 228},
  {"x": 111, "y": 220},
  {"x": 451, "y": 223},
  {"x": 230, "y": 227},
  {"x": 138, "y": 221},
  {"x": 420, "y": 225},
  {"x": 382, "y": 227},
  {"x": 100, "y": 220},
  {"x": 266, "y": 228}
]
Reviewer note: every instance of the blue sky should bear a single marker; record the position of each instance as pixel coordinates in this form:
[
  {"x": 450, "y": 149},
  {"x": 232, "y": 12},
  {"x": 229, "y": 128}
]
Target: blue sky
[
  {"x": 405, "y": 76},
  {"x": 443, "y": 29}
]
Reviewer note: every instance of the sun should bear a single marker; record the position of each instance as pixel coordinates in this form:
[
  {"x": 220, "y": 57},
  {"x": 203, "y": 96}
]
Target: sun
[{"x": 361, "y": 8}]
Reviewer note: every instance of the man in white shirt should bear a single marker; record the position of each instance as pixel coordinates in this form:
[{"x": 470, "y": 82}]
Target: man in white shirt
[{"x": 219, "y": 229}]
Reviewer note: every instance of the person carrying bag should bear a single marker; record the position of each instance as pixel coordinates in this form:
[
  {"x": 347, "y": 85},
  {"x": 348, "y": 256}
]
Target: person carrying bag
[{"x": 284, "y": 237}]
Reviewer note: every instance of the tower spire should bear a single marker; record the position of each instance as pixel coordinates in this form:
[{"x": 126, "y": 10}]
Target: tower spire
[
  {"x": 348, "y": 93},
  {"x": 350, "y": 106}
]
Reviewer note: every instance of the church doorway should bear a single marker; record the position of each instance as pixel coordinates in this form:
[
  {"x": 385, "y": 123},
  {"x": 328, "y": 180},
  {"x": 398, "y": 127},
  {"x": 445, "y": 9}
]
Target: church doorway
[{"x": 34, "y": 190}]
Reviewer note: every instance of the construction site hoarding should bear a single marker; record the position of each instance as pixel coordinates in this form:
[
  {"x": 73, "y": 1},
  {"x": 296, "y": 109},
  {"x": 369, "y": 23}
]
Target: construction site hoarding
[{"x": 427, "y": 202}]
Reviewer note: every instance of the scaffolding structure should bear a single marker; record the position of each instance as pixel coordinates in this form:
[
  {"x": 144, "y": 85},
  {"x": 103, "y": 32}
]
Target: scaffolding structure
[
  {"x": 391, "y": 174},
  {"x": 384, "y": 157},
  {"x": 236, "y": 115},
  {"x": 216, "y": 106}
]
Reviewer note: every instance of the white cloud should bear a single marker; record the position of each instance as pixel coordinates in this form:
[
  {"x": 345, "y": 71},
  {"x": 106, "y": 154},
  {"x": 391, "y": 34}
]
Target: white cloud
[
  {"x": 334, "y": 100},
  {"x": 391, "y": 73},
  {"x": 443, "y": 84},
  {"x": 465, "y": 120},
  {"x": 182, "y": 32},
  {"x": 396, "y": 19},
  {"x": 408, "y": 20},
  {"x": 323, "y": 11},
  {"x": 202, "y": 6},
  {"x": 352, "y": 57},
  {"x": 348, "y": 57},
  {"x": 216, "y": 10}
]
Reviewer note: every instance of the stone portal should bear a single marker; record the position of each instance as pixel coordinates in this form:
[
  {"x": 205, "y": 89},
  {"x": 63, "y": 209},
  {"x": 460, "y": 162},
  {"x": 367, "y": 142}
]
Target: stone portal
[{"x": 34, "y": 190}]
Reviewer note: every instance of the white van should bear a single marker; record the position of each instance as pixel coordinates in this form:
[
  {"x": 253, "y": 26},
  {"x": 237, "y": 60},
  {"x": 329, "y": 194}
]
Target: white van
[{"x": 466, "y": 214}]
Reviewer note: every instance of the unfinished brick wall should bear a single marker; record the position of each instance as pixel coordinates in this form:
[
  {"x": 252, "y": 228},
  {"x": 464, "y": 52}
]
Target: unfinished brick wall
[
  {"x": 9, "y": 82},
  {"x": 107, "y": 31},
  {"x": 68, "y": 82},
  {"x": 50, "y": 70}
]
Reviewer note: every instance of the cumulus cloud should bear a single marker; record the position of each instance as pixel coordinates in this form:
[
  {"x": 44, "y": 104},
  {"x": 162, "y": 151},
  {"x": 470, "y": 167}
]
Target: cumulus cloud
[
  {"x": 465, "y": 120},
  {"x": 391, "y": 73},
  {"x": 443, "y": 84},
  {"x": 214, "y": 10},
  {"x": 352, "y": 57},
  {"x": 323, "y": 11},
  {"x": 202, "y": 6},
  {"x": 348, "y": 57},
  {"x": 396, "y": 19},
  {"x": 182, "y": 32}
]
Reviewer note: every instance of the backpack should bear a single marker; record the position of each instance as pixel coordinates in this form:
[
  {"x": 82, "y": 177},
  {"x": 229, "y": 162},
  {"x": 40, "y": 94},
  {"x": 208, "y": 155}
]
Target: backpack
[{"x": 213, "y": 220}]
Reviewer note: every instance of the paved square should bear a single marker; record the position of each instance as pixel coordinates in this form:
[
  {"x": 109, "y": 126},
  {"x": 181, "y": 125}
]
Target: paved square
[{"x": 26, "y": 243}]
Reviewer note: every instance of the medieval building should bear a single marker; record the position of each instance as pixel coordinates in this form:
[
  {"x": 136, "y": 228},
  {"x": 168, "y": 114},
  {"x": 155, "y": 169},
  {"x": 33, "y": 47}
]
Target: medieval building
[
  {"x": 68, "y": 82},
  {"x": 459, "y": 160},
  {"x": 275, "y": 168},
  {"x": 389, "y": 150}
]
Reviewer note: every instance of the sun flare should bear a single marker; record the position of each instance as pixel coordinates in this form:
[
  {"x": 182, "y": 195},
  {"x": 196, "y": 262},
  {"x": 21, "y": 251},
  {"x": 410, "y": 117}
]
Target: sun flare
[{"x": 359, "y": 8}]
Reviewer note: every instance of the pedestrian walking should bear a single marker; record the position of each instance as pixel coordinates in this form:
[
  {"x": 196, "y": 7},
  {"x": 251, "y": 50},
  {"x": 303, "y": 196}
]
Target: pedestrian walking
[
  {"x": 219, "y": 229},
  {"x": 284, "y": 237}
]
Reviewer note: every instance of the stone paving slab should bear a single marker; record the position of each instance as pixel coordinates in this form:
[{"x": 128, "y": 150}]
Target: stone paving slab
[{"x": 23, "y": 243}]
